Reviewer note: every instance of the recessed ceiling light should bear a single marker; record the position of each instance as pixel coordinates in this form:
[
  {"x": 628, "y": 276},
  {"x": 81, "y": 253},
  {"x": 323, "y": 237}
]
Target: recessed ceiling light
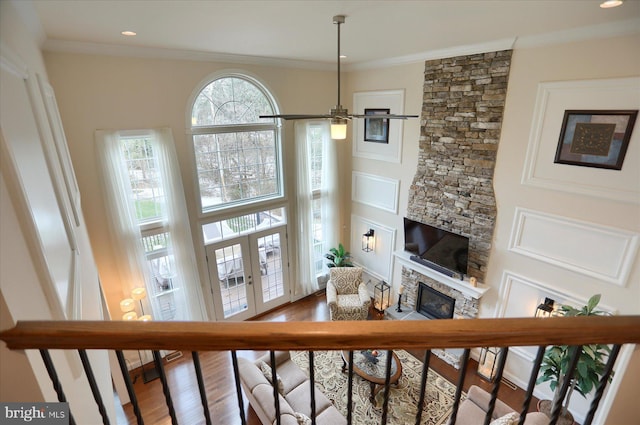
[
  {"x": 129, "y": 33},
  {"x": 610, "y": 3}
]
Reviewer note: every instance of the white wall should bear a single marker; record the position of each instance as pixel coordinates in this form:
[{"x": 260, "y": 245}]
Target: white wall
[
  {"x": 108, "y": 92},
  {"x": 594, "y": 59},
  {"x": 103, "y": 92},
  {"x": 409, "y": 78},
  {"x": 530, "y": 67},
  {"x": 24, "y": 279}
]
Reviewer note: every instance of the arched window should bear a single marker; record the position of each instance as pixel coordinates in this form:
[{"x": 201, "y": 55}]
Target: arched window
[{"x": 238, "y": 154}]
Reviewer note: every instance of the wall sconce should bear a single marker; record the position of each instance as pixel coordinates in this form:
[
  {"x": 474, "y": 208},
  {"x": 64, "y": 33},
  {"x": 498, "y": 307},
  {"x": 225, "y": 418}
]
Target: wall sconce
[
  {"x": 381, "y": 296},
  {"x": 368, "y": 241},
  {"x": 487, "y": 362},
  {"x": 546, "y": 308}
]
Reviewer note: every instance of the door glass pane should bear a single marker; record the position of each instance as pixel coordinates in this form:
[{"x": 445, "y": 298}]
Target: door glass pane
[
  {"x": 270, "y": 267},
  {"x": 233, "y": 285}
]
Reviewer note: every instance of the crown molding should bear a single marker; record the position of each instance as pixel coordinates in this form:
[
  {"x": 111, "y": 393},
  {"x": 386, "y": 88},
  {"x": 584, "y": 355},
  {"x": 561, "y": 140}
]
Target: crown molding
[
  {"x": 449, "y": 52},
  {"x": 620, "y": 28},
  {"x": 177, "y": 54}
]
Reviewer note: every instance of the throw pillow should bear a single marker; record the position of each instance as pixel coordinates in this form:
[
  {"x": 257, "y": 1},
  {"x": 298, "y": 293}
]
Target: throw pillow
[
  {"x": 508, "y": 419},
  {"x": 302, "y": 418},
  {"x": 268, "y": 373}
]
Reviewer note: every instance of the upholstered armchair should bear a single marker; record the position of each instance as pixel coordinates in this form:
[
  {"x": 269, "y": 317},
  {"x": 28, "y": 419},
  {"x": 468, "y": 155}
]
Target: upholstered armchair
[{"x": 347, "y": 295}]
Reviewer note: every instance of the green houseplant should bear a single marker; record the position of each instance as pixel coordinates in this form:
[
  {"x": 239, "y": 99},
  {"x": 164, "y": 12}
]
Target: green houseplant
[
  {"x": 339, "y": 257},
  {"x": 590, "y": 367}
]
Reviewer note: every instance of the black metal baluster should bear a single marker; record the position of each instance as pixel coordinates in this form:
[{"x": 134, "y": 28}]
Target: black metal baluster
[
  {"x": 312, "y": 384},
  {"x": 423, "y": 386},
  {"x": 203, "y": 391},
  {"x": 556, "y": 409},
  {"x": 236, "y": 376},
  {"x": 94, "y": 386},
  {"x": 387, "y": 385},
  {"x": 274, "y": 381},
  {"x": 57, "y": 386},
  {"x": 502, "y": 358},
  {"x": 602, "y": 385},
  {"x": 350, "y": 390},
  {"x": 165, "y": 386},
  {"x": 129, "y": 385},
  {"x": 532, "y": 383},
  {"x": 463, "y": 372}
]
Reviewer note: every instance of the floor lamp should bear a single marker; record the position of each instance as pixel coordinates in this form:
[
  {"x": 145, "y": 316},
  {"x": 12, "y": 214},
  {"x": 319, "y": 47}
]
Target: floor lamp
[{"x": 128, "y": 306}]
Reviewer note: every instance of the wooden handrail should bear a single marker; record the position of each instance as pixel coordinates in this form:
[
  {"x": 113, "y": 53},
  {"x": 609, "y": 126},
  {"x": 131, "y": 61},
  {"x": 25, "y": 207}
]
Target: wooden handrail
[{"x": 420, "y": 334}]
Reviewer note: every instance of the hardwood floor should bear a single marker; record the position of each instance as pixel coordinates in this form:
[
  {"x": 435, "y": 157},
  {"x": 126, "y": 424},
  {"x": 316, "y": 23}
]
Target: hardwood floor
[{"x": 219, "y": 382}]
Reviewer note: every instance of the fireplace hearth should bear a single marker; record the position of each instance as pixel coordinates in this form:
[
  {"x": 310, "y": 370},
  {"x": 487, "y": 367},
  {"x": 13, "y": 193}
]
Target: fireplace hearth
[{"x": 434, "y": 304}]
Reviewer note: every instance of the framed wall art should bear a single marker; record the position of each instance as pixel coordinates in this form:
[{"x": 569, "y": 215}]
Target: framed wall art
[
  {"x": 378, "y": 138},
  {"x": 376, "y": 129},
  {"x": 554, "y": 100},
  {"x": 595, "y": 138}
]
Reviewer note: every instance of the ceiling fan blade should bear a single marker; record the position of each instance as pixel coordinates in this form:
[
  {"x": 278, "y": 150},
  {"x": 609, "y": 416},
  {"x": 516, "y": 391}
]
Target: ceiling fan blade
[
  {"x": 296, "y": 116},
  {"x": 338, "y": 112},
  {"x": 386, "y": 116}
]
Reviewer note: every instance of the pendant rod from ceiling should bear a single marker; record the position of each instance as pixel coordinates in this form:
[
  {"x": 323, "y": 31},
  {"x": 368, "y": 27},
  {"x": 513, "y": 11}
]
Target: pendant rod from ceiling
[{"x": 338, "y": 20}]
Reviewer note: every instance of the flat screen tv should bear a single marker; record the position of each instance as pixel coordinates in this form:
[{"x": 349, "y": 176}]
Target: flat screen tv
[{"x": 438, "y": 249}]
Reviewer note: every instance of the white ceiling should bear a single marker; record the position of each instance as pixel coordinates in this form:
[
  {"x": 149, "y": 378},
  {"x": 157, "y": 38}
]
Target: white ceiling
[{"x": 375, "y": 32}]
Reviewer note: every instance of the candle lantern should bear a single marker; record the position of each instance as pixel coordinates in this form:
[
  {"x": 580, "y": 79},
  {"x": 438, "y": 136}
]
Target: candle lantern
[
  {"x": 487, "y": 362},
  {"x": 381, "y": 296},
  {"x": 400, "y": 292}
]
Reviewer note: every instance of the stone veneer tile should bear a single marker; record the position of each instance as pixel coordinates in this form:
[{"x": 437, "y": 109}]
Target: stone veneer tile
[{"x": 463, "y": 104}]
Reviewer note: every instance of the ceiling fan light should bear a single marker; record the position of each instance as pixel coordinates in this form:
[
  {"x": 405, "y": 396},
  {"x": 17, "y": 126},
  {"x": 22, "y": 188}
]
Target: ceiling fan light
[{"x": 338, "y": 128}]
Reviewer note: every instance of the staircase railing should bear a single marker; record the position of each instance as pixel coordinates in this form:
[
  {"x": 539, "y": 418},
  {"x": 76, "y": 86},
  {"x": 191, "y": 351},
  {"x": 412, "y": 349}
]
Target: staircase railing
[{"x": 314, "y": 336}]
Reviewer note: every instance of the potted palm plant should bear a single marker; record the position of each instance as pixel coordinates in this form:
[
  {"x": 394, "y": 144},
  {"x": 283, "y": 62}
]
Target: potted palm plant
[
  {"x": 590, "y": 367},
  {"x": 339, "y": 257}
]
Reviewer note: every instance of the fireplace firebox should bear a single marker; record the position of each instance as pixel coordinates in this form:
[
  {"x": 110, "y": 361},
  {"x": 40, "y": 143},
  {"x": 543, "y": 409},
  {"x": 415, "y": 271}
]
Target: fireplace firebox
[{"x": 434, "y": 304}]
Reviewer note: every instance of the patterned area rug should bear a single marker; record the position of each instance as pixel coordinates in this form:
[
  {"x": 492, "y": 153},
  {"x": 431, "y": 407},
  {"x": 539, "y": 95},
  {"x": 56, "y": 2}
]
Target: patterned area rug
[{"x": 403, "y": 398}]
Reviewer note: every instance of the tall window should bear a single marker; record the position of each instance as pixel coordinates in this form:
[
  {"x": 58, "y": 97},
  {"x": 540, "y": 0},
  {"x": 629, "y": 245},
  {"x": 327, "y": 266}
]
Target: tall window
[
  {"x": 148, "y": 195},
  {"x": 148, "y": 219},
  {"x": 317, "y": 199},
  {"x": 237, "y": 154},
  {"x": 316, "y": 161}
]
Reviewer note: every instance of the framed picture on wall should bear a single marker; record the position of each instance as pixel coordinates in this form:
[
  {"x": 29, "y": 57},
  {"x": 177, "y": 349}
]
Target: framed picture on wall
[
  {"x": 378, "y": 138},
  {"x": 595, "y": 138},
  {"x": 376, "y": 129}
]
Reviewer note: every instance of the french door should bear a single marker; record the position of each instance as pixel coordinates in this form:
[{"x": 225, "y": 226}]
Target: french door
[{"x": 248, "y": 274}]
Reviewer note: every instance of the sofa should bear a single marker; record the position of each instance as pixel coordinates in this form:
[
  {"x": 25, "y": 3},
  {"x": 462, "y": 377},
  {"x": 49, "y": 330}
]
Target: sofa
[
  {"x": 474, "y": 408},
  {"x": 294, "y": 392}
]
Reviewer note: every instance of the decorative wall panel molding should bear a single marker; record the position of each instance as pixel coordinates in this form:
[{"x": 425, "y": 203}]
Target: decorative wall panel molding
[
  {"x": 378, "y": 262},
  {"x": 519, "y": 297},
  {"x": 553, "y": 99},
  {"x": 601, "y": 252},
  {"x": 375, "y": 191},
  {"x": 392, "y": 102}
]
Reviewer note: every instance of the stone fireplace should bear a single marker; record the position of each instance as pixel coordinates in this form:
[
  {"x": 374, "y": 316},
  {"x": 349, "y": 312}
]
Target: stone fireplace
[
  {"x": 462, "y": 111},
  {"x": 434, "y": 304}
]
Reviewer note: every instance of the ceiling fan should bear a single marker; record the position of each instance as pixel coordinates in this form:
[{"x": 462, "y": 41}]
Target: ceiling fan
[{"x": 337, "y": 115}]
